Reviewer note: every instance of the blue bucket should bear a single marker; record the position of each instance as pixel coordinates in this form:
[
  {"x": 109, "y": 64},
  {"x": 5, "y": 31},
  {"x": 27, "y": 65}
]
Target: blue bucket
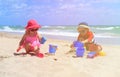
[
  {"x": 52, "y": 48},
  {"x": 43, "y": 39},
  {"x": 78, "y": 44},
  {"x": 80, "y": 52}
]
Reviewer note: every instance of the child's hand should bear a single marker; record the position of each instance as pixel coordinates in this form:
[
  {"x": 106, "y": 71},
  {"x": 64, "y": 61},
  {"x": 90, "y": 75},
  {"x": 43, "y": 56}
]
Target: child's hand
[
  {"x": 20, "y": 47},
  {"x": 85, "y": 41}
]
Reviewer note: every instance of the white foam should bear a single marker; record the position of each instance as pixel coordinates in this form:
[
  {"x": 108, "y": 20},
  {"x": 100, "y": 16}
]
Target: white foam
[
  {"x": 60, "y": 33},
  {"x": 106, "y": 28},
  {"x": 7, "y": 28}
]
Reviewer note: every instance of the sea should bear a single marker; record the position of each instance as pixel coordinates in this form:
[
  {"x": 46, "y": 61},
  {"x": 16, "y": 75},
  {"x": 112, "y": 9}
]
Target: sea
[{"x": 104, "y": 34}]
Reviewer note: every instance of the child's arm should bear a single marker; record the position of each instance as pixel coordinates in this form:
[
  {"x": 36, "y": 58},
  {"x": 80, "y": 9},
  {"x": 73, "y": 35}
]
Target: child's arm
[
  {"x": 85, "y": 41},
  {"x": 22, "y": 40},
  {"x": 90, "y": 38},
  {"x": 21, "y": 43},
  {"x": 39, "y": 37},
  {"x": 80, "y": 38}
]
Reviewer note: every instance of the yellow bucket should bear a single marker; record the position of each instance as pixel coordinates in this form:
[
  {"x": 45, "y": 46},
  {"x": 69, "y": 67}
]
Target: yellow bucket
[{"x": 102, "y": 53}]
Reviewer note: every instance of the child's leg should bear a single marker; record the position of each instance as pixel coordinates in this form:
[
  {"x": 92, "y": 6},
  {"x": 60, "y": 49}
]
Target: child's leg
[
  {"x": 99, "y": 48},
  {"x": 87, "y": 46},
  {"x": 37, "y": 52},
  {"x": 36, "y": 49},
  {"x": 93, "y": 48},
  {"x": 29, "y": 48}
]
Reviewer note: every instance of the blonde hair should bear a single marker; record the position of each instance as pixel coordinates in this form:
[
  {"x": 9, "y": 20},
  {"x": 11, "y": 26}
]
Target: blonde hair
[{"x": 27, "y": 32}]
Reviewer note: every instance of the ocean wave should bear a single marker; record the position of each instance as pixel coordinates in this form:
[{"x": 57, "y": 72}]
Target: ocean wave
[
  {"x": 61, "y": 27},
  {"x": 7, "y": 28},
  {"x": 53, "y": 28},
  {"x": 45, "y": 26},
  {"x": 59, "y": 33},
  {"x": 105, "y": 28},
  {"x": 105, "y": 36},
  {"x": 100, "y": 31},
  {"x": 11, "y": 29},
  {"x": 75, "y": 34}
]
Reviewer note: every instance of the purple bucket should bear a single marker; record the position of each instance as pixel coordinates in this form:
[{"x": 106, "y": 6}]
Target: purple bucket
[
  {"x": 91, "y": 55},
  {"x": 52, "y": 49},
  {"x": 80, "y": 52},
  {"x": 78, "y": 44}
]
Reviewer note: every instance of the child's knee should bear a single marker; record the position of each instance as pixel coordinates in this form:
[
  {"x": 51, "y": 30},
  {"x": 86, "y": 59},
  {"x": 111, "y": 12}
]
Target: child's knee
[
  {"x": 93, "y": 47},
  {"x": 99, "y": 48}
]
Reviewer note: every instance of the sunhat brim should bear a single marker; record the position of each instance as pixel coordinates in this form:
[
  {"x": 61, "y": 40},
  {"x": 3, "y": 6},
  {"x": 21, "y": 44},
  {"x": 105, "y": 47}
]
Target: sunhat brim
[
  {"x": 83, "y": 26},
  {"x": 33, "y": 26}
]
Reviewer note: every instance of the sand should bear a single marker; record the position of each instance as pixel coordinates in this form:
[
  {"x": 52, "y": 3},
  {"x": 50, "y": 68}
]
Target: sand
[{"x": 58, "y": 65}]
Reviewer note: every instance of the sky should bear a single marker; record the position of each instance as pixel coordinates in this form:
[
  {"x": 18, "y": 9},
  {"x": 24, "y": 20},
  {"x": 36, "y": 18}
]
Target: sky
[{"x": 60, "y": 12}]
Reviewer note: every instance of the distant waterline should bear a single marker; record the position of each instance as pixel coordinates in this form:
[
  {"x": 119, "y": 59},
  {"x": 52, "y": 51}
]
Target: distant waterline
[{"x": 100, "y": 31}]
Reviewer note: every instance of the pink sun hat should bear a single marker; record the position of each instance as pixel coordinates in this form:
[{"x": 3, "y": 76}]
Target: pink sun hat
[{"x": 32, "y": 24}]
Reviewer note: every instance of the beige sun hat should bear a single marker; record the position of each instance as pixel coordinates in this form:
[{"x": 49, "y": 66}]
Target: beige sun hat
[{"x": 83, "y": 25}]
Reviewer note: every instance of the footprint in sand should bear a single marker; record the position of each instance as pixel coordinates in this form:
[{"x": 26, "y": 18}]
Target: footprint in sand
[{"x": 3, "y": 57}]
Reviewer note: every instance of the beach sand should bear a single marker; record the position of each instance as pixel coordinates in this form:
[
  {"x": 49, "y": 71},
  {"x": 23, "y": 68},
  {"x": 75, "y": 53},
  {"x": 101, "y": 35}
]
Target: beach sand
[{"x": 58, "y": 65}]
